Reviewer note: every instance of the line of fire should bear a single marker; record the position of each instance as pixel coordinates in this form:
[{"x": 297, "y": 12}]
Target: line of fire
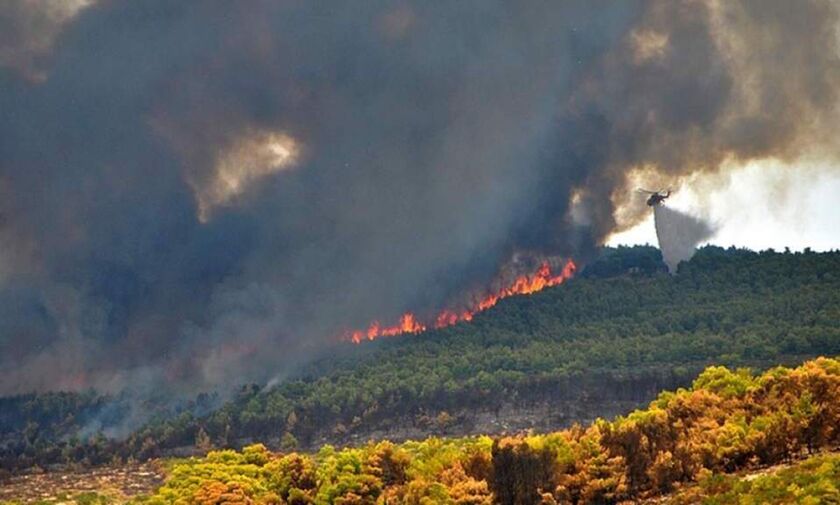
[{"x": 408, "y": 323}]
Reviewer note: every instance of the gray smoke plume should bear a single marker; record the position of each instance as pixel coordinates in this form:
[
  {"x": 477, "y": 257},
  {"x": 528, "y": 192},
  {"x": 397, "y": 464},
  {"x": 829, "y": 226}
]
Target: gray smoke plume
[
  {"x": 198, "y": 193},
  {"x": 678, "y": 235}
]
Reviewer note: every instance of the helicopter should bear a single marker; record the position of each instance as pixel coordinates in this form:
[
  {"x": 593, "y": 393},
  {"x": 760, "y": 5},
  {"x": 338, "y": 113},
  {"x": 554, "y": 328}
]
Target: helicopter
[{"x": 656, "y": 197}]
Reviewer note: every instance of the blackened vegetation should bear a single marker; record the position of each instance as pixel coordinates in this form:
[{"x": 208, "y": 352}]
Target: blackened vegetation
[
  {"x": 621, "y": 331},
  {"x": 520, "y": 473}
]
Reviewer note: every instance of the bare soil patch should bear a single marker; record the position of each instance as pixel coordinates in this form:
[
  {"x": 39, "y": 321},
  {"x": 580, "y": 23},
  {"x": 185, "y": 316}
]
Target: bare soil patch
[{"x": 120, "y": 483}]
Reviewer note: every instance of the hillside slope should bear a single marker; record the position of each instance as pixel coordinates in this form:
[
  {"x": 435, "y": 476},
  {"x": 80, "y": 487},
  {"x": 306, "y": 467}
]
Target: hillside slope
[
  {"x": 598, "y": 345},
  {"x": 690, "y": 441},
  {"x": 615, "y": 338}
]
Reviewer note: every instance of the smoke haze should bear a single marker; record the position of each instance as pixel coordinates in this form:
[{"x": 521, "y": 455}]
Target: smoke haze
[
  {"x": 198, "y": 193},
  {"x": 678, "y": 235}
]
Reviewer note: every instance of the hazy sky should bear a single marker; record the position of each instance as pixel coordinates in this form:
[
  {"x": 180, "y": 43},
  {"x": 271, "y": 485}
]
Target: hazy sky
[{"x": 764, "y": 204}]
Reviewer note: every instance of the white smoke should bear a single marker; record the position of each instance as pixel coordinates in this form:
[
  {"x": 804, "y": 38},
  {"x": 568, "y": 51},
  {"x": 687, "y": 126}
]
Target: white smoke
[{"x": 678, "y": 234}]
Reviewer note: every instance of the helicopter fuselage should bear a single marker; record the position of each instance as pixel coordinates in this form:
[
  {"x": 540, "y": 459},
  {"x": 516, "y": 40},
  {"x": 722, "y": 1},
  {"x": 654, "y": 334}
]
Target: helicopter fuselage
[{"x": 657, "y": 198}]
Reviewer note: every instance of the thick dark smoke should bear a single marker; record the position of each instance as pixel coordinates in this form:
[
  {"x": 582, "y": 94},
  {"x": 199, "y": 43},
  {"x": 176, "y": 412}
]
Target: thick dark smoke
[{"x": 202, "y": 193}]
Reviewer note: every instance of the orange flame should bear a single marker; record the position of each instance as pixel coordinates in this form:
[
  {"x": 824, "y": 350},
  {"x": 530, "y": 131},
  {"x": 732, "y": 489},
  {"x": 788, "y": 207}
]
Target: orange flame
[{"x": 522, "y": 285}]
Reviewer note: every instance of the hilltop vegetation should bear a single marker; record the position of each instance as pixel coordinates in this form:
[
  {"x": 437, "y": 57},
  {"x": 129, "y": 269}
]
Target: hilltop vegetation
[
  {"x": 589, "y": 337},
  {"x": 622, "y": 330},
  {"x": 727, "y": 421}
]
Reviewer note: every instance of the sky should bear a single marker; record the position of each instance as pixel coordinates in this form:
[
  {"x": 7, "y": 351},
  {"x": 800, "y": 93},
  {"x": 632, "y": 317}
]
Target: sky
[
  {"x": 195, "y": 194},
  {"x": 764, "y": 204}
]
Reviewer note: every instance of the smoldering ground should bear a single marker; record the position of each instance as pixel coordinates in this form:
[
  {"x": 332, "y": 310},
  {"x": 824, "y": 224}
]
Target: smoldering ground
[{"x": 197, "y": 194}]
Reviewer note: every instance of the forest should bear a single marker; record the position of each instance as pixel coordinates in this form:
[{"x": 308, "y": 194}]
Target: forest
[
  {"x": 685, "y": 447},
  {"x": 623, "y": 329}
]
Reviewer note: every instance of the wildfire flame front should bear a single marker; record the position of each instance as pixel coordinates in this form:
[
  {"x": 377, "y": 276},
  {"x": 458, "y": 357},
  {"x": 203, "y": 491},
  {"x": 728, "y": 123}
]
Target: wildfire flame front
[{"x": 522, "y": 285}]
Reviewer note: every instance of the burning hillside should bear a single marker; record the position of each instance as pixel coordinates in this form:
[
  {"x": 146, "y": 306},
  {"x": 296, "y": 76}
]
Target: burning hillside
[
  {"x": 225, "y": 203},
  {"x": 524, "y": 284}
]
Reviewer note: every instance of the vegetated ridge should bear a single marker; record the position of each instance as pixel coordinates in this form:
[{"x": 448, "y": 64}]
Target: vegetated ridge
[
  {"x": 728, "y": 421},
  {"x": 598, "y": 345}
]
